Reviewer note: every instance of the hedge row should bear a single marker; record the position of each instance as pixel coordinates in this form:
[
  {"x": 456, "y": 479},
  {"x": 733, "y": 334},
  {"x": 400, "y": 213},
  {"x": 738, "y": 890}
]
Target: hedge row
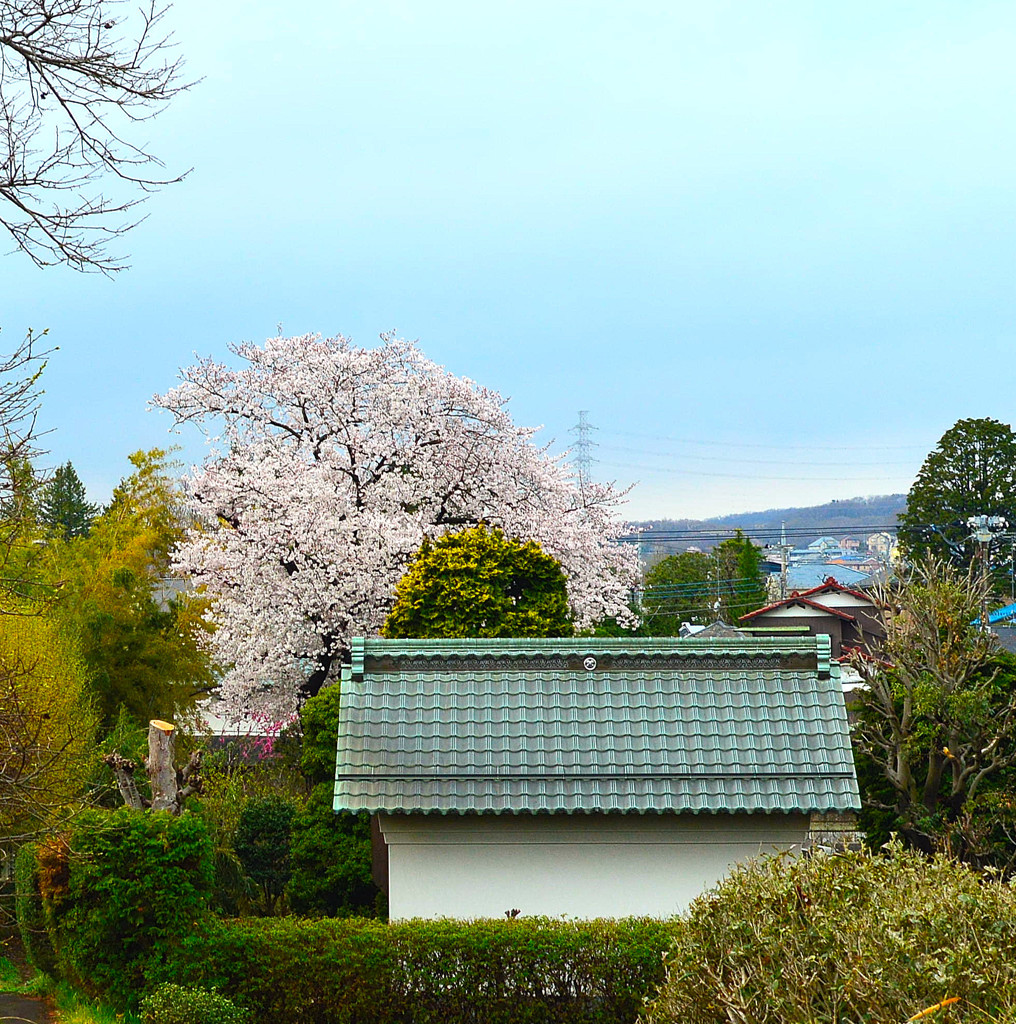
[
  {"x": 116, "y": 895},
  {"x": 124, "y": 902},
  {"x": 348, "y": 971}
]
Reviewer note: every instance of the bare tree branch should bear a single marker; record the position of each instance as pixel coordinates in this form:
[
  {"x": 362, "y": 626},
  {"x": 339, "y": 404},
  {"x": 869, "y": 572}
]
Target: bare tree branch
[{"x": 75, "y": 75}]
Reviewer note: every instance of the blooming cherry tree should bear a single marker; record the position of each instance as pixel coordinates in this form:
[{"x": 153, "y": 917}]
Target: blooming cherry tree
[{"x": 328, "y": 465}]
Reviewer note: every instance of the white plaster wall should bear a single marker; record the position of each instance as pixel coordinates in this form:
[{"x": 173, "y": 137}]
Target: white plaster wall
[
  {"x": 798, "y": 612},
  {"x": 845, "y": 602},
  {"x": 581, "y": 865}
]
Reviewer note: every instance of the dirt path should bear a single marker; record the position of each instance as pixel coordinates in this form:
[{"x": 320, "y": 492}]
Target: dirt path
[{"x": 23, "y": 1010}]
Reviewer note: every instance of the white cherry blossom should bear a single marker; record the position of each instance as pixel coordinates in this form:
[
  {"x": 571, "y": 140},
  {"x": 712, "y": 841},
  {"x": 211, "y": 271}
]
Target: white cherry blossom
[{"x": 328, "y": 464}]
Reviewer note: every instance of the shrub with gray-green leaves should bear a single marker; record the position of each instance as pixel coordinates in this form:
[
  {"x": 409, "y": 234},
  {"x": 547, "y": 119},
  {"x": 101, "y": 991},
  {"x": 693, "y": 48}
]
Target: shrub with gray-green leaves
[
  {"x": 175, "y": 1004},
  {"x": 838, "y": 938}
]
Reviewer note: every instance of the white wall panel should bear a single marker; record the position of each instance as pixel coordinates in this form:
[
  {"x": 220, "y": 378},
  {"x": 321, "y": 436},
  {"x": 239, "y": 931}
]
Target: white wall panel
[{"x": 576, "y": 865}]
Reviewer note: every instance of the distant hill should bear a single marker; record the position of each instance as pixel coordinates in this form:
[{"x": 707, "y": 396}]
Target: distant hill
[{"x": 853, "y": 516}]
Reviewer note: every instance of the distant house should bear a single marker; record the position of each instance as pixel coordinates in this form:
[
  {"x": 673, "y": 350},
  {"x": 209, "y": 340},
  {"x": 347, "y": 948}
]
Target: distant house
[
  {"x": 881, "y": 545},
  {"x": 588, "y": 778},
  {"x": 808, "y": 575},
  {"x": 850, "y": 618}
]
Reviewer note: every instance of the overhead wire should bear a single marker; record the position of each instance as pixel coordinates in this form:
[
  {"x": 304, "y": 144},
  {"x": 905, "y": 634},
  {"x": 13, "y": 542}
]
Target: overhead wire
[{"x": 757, "y": 444}]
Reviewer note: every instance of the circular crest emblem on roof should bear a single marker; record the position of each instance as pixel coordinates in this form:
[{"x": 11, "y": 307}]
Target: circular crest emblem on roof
[{"x": 589, "y": 664}]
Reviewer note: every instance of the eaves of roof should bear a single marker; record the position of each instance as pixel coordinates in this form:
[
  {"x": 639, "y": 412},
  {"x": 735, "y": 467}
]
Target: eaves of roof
[{"x": 802, "y": 600}]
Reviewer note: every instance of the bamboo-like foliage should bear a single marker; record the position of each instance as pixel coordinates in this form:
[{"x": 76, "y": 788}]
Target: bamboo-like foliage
[{"x": 46, "y": 723}]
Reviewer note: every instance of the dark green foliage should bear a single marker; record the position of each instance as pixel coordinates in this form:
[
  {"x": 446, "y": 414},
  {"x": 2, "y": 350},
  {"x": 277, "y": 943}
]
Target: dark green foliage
[
  {"x": 319, "y": 722},
  {"x": 480, "y": 583},
  {"x": 742, "y": 586},
  {"x": 854, "y": 937},
  {"x": 331, "y": 861},
  {"x": 430, "y": 972},
  {"x": 31, "y": 913},
  {"x": 174, "y": 1004},
  {"x": 63, "y": 507},
  {"x": 678, "y": 590},
  {"x": 701, "y": 588},
  {"x": 136, "y": 885},
  {"x": 262, "y": 842},
  {"x": 330, "y": 853},
  {"x": 971, "y": 472}
]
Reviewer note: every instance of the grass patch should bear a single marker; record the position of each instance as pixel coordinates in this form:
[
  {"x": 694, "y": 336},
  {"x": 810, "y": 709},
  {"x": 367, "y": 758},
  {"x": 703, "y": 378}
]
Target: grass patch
[
  {"x": 73, "y": 1008},
  {"x": 9, "y": 978},
  {"x": 70, "y": 1006}
]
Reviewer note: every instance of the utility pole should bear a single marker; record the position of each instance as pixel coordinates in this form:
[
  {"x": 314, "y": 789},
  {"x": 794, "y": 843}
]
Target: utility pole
[
  {"x": 784, "y": 558},
  {"x": 982, "y": 531},
  {"x": 582, "y": 457}
]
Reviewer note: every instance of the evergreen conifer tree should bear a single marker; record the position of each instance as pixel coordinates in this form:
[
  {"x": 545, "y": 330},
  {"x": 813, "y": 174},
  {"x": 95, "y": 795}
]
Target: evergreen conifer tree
[{"x": 64, "y": 508}]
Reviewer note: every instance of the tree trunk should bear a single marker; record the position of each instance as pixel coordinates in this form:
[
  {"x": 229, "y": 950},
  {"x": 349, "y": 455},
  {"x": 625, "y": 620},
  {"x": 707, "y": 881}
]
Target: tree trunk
[
  {"x": 161, "y": 767},
  {"x": 170, "y": 787},
  {"x": 123, "y": 771}
]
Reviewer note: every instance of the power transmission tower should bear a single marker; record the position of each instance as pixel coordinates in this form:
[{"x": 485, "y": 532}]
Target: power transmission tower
[{"x": 582, "y": 451}]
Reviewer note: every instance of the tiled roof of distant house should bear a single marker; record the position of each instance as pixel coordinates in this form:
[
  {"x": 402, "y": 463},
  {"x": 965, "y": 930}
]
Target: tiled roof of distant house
[{"x": 829, "y": 584}]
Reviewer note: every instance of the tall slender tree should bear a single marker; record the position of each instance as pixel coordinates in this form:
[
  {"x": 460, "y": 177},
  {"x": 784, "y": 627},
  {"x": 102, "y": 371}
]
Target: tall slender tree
[
  {"x": 142, "y": 636},
  {"x": 64, "y": 508}
]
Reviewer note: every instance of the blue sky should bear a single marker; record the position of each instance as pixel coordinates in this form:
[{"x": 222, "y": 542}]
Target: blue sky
[{"x": 769, "y": 247}]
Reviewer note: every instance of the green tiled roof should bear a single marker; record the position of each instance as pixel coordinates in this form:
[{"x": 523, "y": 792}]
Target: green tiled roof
[{"x": 741, "y": 724}]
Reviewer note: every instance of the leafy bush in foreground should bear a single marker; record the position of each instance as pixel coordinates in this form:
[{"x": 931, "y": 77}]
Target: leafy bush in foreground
[
  {"x": 855, "y": 937},
  {"x": 130, "y": 886}
]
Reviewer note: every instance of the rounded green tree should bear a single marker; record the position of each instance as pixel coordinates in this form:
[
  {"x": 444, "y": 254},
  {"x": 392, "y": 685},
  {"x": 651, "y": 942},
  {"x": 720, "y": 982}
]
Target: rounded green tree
[
  {"x": 480, "y": 583},
  {"x": 971, "y": 472}
]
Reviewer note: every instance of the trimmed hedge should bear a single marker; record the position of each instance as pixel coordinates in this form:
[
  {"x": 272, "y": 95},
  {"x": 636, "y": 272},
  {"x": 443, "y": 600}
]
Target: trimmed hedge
[
  {"x": 125, "y": 900},
  {"x": 849, "y": 937},
  {"x": 525, "y": 971}
]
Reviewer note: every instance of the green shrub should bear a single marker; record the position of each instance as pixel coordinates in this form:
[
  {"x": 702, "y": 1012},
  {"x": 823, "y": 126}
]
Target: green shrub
[
  {"x": 138, "y": 883},
  {"x": 262, "y": 844},
  {"x": 174, "y": 1004},
  {"x": 330, "y": 853},
  {"x": 31, "y": 914},
  {"x": 843, "y": 938},
  {"x": 357, "y": 971}
]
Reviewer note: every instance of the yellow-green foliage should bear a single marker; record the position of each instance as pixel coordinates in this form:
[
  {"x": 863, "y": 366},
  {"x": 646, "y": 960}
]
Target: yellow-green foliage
[
  {"x": 355, "y": 971},
  {"x": 143, "y": 649},
  {"x": 480, "y": 583},
  {"x": 46, "y": 723},
  {"x": 857, "y": 937}
]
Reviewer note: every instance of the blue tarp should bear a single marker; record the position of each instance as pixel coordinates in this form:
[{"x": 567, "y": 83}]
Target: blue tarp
[{"x": 1001, "y": 614}]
